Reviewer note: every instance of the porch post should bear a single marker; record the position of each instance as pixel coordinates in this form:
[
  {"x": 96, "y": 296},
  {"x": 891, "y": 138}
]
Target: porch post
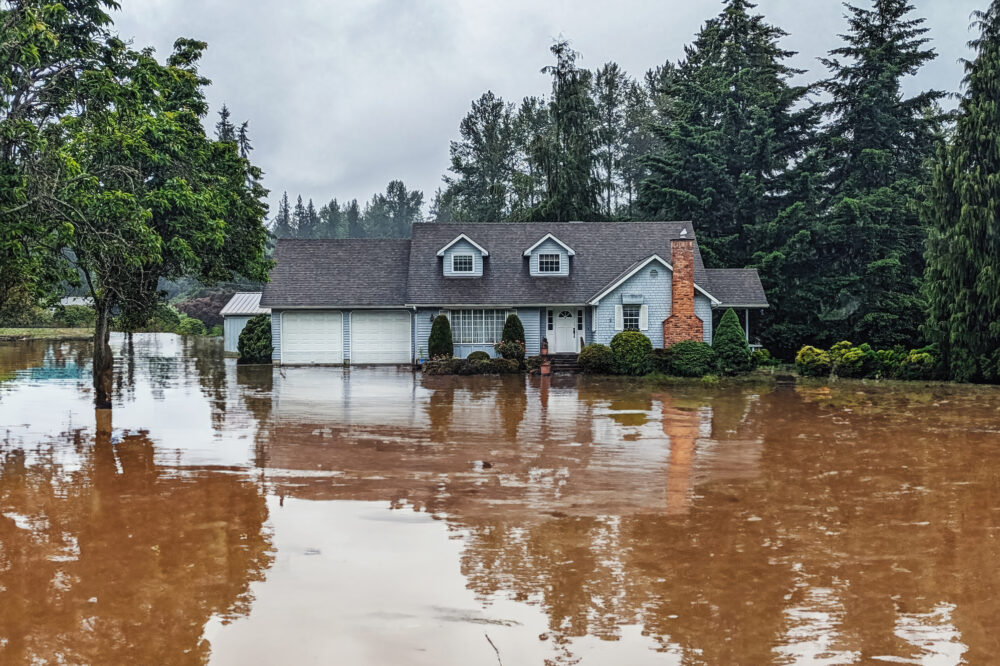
[{"x": 746, "y": 328}]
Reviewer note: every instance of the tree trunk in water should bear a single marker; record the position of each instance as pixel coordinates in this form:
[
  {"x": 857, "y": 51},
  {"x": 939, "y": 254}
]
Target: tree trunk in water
[{"x": 104, "y": 362}]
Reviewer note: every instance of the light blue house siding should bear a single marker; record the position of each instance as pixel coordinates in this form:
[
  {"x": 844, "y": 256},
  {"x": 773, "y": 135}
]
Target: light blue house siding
[
  {"x": 463, "y": 247},
  {"x": 549, "y": 247},
  {"x": 656, "y": 294},
  {"x": 276, "y": 335},
  {"x": 530, "y": 319},
  {"x": 232, "y": 326}
]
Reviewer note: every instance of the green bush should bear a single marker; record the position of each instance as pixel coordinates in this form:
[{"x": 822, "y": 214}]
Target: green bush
[
  {"x": 730, "y": 345},
  {"x": 191, "y": 326},
  {"x": 533, "y": 362},
  {"x": 890, "y": 361},
  {"x": 596, "y": 359},
  {"x": 857, "y": 362},
  {"x": 690, "y": 359},
  {"x": 254, "y": 344},
  {"x": 462, "y": 366},
  {"x": 216, "y": 331},
  {"x": 919, "y": 364},
  {"x": 762, "y": 359},
  {"x": 500, "y": 366},
  {"x": 77, "y": 316},
  {"x": 630, "y": 350},
  {"x": 444, "y": 366},
  {"x": 838, "y": 350},
  {"x": 478, "y": 356},
  {"x": 439, "y": 344},
  {"x": 513, "y": 330},
  {"x": 812, "y": 362},
  {"x": 659, "y": 361},
  {"x": 510, "y": 349}
]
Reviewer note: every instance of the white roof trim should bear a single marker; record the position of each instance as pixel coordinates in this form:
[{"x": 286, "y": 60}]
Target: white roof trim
[
  {"x": 546, "y": 237},
  {"x": 467, "y": 239},
  {"x": 620, "y": 281}
]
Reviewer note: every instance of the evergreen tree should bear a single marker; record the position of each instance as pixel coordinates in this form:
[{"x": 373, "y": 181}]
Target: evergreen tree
[
  {"x": 354, "y": 222},
  {"x": 610, "y": 86},
  {"x": 309, "y": 226},
  {"x": 443, "y": 206},
  {"x": 391, "y": 215},
  {"x": 731, "y": 126},
  {"x": 243, "y": 140},
  {"x": 565, "y": 153},
  {"x": 730, "y": 345},
  {"x": 300, "y": 220},
  {"x": 282, "y": 227},
  {"x": 482, "y": 162},
  {"x": 963, "y": 213},
  {"x": 531, "y": 124},
  {"x": 851, "y": 268},
  {"x": 332, "y": 223},
  {"x": 224, "y": 129}
]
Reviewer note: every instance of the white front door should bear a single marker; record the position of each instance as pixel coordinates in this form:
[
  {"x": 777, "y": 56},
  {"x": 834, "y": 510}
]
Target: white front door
[{"x": 564, "y": 330}]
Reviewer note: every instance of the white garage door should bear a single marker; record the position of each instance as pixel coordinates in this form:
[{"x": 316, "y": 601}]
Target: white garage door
[
  {"x": 380, "y": 337},
  {"x": 312, "y": 337}
]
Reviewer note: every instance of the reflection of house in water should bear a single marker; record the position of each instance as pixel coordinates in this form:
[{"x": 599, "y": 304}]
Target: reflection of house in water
[{"x": 457, "y": 445}]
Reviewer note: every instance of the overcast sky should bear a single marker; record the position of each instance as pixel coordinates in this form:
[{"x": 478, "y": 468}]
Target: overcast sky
[{"x": 344, "y": 96}]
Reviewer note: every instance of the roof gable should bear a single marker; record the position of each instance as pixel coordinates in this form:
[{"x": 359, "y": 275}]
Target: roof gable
[
  {"x": 463, "y": 237},
  {"x": 638, "y": 267},
  {"x": 546, "y": 237}
]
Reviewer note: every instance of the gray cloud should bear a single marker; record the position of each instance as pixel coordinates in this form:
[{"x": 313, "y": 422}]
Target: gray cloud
[{"x": 344, "y": 96}]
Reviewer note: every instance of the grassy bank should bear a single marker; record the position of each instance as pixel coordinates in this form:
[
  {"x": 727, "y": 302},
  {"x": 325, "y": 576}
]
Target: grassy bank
[{"x": 11, "y": 334}]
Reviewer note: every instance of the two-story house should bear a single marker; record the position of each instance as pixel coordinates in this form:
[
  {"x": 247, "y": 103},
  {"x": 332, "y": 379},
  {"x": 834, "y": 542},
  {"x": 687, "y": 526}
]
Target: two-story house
[{"x": 372, "y": 301}]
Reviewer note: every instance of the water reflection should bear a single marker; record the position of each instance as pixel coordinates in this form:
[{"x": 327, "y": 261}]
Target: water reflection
[
  {"x": 572, "y": 520},
  {"x": 108, "y": 557}
]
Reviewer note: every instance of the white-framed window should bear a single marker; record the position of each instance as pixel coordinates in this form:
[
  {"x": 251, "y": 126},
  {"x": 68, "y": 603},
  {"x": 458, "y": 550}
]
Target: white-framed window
[
  {"x": 630, "y": 317},
  {"x": 549, "y": 263},
  {"x": 478, "y": 327},
  {"x": 462, "y": 263}
]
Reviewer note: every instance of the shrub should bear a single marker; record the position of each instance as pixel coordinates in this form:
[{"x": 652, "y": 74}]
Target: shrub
[
  {"x": 690, "y": 359},
  {"x": 216, "y": 331},
  {"x": 478, "y": 356},
  {"x": 191, "y": 326},
  {"x": 812, "y": 362},
  {"x": 596, "y": 359},
  {"x": 630, "y": 350},
  {"x": 858, "y": 362},
  {"x": 444, "y": 366},
  {"x": 254, "y": 344},
  {"x": 513, "y": 330},
  {"x": 77, "y": 316},
  {"x": 730, "y": 345},
  {"x": 533, "y": 362},
  {"x": 890, "y": 361},
  {"x": 762, "y": 359},
  {"x": 919, "y": 364},
  {"x": 510, "y": 349},
  {"x": 659, "y": 361},
  {"x": 500, "y": 366},
  {"x": 838, "y": 350},
  {"x": 439, "y": 343}
]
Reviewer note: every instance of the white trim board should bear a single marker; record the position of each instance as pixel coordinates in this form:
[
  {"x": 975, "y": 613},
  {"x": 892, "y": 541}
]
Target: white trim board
[
  {"x": 546, "y": 237},
  {"x": 462, "y": 237},
  {"x": 620, "y": 281}
]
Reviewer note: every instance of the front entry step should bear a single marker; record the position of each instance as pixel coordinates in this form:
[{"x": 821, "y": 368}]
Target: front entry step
[{"x": 566, "y": 363}]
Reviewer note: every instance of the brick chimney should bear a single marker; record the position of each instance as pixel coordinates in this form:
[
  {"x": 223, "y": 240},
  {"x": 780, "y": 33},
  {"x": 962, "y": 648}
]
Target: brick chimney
[{"x": 682, "y": 324}]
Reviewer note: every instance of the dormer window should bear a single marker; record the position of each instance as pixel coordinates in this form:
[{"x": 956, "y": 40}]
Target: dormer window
[
  {"x": 549, "y": 263},
  {"x": 462, "y": 263}
]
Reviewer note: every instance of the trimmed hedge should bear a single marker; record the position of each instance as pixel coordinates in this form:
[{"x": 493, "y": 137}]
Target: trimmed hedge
[
  {"x": 762, "y": 359},
  {"x": 255, "y": 344},
  {"x": 439, "y": 343},
  {"x": 730, "y": 345},
  {"x": 191, "y": 326},
  {"x": 510, "y": 349},
  {"x": 596, "y": 359},
  {"x": 813, "y": 362},
  {"x": 631, "y": 352},
  {"x": 689, "y": 359},
  {"x": 463, "y": 366},
  {"x": 478, "y": 356},
  {"x": 513, "y": 330}
]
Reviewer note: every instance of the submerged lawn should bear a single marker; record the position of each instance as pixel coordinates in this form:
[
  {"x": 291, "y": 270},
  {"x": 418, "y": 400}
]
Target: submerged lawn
[{"x": 46, "y": 333}]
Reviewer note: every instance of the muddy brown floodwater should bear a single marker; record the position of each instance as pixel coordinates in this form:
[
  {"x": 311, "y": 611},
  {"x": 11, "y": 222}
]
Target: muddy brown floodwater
[{"x": 314, "y": 515}]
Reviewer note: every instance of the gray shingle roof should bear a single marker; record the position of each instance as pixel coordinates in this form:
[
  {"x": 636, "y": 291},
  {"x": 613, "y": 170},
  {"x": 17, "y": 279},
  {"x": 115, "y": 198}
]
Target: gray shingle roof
[
  {"x": 604, "y": 251},
  {"x": 243, "y": 303},
  {"x": 356, "y": 271},
  {"x": 736, "y": 287},
  {"x": 389, "y": 272}
]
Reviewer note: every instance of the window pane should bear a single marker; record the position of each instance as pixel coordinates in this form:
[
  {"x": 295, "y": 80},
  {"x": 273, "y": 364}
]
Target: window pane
[
  {"x": 548, "y": 263},
  {"x": 630, "y": 317},
  {"x": 461, "y": 263}
]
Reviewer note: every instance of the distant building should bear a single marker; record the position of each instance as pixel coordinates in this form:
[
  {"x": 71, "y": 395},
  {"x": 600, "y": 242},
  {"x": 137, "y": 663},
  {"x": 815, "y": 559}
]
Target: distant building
[
  {"x": 77, "y": 300},
  {"x": 235, "y": 315}
]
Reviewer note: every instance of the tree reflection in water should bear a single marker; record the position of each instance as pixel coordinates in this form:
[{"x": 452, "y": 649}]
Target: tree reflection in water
[{"x": 121, "y": 560}]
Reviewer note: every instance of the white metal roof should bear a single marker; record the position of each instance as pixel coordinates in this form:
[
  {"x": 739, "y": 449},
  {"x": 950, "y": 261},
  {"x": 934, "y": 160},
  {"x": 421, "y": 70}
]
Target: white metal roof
[{"x": 244, "y": 303}]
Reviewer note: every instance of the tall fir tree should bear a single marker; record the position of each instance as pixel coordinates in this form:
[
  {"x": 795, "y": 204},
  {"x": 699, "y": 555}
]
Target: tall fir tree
[
  {"x": 300, "y": 220},
  {"x": 733, "y": 124},
  {"x": 609, "y": 92},
  {"x": 482, "y": 161},
  {"x": 860, "y": 278},
  {"x": 566, "y": 151},
  {"x": 282, "y": 227},
  {"x": 963, "y": 213},
  {"x": 243, "y": 140},
  {"x": 352, "y": 218},
  {"x": 224, "y": 129},
  {"x": 332, "y": 223},
  {"x": 531, "y": 123}
]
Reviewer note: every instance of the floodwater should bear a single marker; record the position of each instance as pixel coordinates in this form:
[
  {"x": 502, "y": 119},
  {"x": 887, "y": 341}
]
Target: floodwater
[{"x": 313, "y": 515}]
